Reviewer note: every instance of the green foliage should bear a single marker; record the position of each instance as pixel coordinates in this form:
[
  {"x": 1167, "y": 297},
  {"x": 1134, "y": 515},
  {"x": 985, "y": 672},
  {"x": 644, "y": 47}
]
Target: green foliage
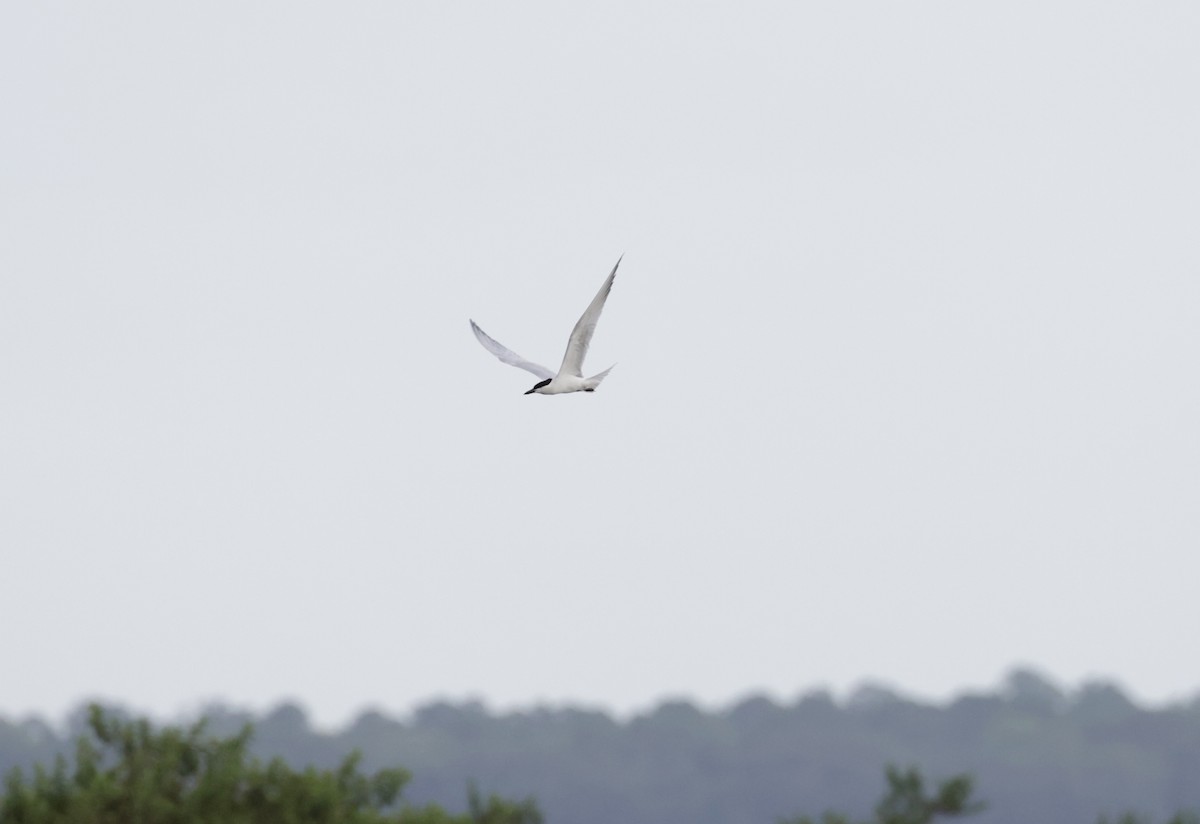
[
  {"x": 1184, "y": 817},
  {"x": 1043, "y": 753},
  {"x": 906, "y": 801},
  {"x": 497, "y": 810},
  {"x": 130, "y": 773}
]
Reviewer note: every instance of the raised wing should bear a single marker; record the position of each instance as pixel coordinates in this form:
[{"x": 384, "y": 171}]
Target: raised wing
[
  {"x": 581, "y": 335},
  {"x": 509, "y": 356}
]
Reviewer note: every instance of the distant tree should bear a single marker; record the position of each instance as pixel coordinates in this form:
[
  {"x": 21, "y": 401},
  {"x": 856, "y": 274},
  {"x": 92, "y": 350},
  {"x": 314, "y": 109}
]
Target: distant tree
[
  {"x": 1101, "y": 703},
  {"x": 1183, "y": 817},
  {"x": 497, "y": 810},
  {"x": 126, "y": 772},
  {"x": 1029, "y": 690},
  {"x": 906, "y": 801},
  {"x": 872, "y": 695}
]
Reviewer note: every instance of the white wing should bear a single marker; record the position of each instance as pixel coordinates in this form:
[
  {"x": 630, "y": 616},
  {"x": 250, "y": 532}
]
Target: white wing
[
  {"x": 509, "y": 356},
  {"x": 581, "y": 335}
]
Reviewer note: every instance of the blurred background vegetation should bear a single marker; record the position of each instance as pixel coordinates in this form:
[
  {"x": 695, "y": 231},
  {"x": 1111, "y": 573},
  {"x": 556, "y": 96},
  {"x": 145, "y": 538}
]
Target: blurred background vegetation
[{"x": 1023, "y": 753}]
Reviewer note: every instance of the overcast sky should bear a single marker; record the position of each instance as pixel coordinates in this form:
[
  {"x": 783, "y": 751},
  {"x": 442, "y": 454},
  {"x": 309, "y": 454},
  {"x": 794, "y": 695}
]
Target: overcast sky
[{"x": 906, "y": 331}]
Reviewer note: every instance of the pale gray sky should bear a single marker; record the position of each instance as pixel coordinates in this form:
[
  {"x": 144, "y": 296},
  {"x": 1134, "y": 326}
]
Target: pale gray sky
[{"x": 906, "y": 334}]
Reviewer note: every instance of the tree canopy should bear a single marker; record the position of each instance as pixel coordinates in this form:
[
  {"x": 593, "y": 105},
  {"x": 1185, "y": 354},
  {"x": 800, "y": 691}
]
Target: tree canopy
[
  {"x": 127, "y": 772},
  {"x": 1037, "y": 753},
  {"x": 907, "y": 802}
]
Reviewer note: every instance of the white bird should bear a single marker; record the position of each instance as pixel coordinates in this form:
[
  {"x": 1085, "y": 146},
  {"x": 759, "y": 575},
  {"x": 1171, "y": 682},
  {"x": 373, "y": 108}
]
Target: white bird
[{"x": 570, "y": 375}]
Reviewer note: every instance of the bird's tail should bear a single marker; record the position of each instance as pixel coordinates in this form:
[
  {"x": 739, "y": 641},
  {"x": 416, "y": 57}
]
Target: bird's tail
[{"x": 591, "y": 383}]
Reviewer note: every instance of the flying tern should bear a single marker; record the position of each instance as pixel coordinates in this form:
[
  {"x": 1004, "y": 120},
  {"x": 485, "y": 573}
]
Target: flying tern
[{"x": 570, "y": 375}]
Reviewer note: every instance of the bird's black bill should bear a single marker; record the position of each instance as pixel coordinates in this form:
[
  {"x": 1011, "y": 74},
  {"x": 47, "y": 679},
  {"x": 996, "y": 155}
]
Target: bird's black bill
[{"x": 531, "y": 391}]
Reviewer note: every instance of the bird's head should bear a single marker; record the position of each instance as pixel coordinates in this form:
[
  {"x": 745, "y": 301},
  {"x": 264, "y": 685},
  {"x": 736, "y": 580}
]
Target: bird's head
[{"x": 538, "y": 386}]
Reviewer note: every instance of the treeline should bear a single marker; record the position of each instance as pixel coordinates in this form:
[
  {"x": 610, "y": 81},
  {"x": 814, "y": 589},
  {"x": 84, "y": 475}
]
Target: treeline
[
  {"x": 132, "y": 772},
  {"x": 1036, "y": 754}
]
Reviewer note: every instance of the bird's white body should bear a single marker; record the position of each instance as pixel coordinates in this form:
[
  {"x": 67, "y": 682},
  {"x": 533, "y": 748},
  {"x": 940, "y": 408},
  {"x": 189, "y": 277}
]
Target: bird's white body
[
  {"x": 570, "y": 375},
  {"x": 571, "y": 383}
]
